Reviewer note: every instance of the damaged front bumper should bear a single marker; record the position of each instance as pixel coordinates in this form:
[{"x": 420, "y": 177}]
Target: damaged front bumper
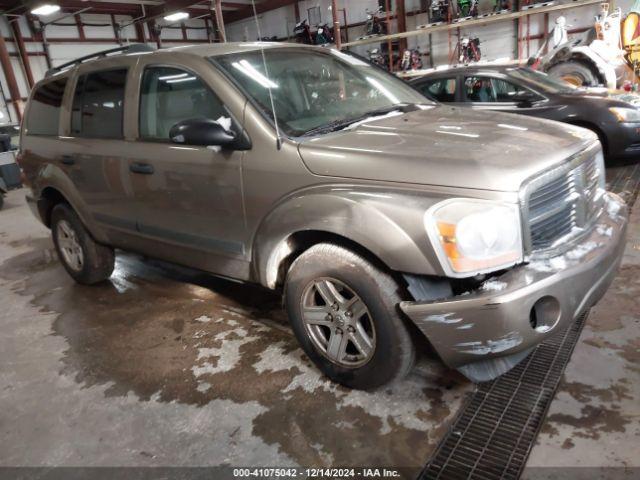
[{"x": 488, "y": 331}]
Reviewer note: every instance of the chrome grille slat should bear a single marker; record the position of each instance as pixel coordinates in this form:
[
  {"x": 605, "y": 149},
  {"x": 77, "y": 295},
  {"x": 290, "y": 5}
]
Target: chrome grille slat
[
  {"x": 561, "y": 201},
  {"x": 555, "y": 207},
  {"x": 542, "y": 201}
]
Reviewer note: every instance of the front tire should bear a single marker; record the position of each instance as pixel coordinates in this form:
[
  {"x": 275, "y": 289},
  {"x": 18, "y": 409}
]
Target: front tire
[
  {"x": 344, "y": 312},
  {"x": 85, "y": 260},
  {"x": 576, "y": 73}
]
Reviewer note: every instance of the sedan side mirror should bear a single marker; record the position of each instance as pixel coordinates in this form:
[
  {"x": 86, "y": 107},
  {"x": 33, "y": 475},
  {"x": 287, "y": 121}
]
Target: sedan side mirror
[{"x": 202, "y": 132}]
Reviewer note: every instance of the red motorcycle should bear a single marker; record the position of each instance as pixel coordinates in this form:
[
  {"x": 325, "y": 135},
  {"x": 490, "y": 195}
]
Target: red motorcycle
[
  {"x": 469, "y": 50},
  {"x": 411, "y": 60}
]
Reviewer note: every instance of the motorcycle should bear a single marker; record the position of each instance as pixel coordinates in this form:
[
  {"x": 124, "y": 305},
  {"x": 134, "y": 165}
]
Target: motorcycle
[
  {"x": 378, "y": 58},
  {"x": 439, "y": 11},
  {"x": 324, "y": 35},
  {"x": 375, "y": 26},
  {"x": 411, "y": 60},
  {"x": 302, "y": 33},
  {"x": 501, "y": 5},
  {"x": 469, "y": 50},
  {"x": 467, "y": 8}
]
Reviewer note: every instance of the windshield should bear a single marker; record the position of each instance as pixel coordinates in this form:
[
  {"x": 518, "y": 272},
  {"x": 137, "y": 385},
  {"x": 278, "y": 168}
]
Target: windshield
[
  {"x": 541, "y": 80},
  {"x": 313, "y": 89}
]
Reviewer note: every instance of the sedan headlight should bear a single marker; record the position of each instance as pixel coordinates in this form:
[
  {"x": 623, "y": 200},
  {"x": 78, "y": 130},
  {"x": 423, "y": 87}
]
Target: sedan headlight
[
  {"x": 626, "y": 115},
  {"x": 475, "y": 236}
]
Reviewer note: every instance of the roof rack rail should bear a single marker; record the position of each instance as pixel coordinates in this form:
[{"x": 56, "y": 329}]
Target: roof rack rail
[{"x": 133, "y": 48}]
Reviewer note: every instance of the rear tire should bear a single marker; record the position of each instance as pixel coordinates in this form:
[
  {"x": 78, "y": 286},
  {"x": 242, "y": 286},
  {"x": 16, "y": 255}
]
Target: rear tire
[
  {"x": 575, "y": 73},
  {"x": 359, "y": 340},
  {"x": 86, "y": 261}
]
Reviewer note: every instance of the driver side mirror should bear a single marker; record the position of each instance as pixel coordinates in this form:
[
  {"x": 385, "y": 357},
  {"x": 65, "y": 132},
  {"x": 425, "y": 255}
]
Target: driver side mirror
[
  {"x": 202, "y": 132},
  {"x": 524, "y": 98}
]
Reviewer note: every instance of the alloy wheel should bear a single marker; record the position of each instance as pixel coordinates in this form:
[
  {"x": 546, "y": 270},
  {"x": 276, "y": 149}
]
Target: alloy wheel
[
  {"x": 338, "y": 322},
  {"x": 69, "y": 246}
]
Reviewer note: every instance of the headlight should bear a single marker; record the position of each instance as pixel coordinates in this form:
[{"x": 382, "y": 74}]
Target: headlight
[
  {"x": 475, "y": 236},
  {"x": 626, "y": 115}
]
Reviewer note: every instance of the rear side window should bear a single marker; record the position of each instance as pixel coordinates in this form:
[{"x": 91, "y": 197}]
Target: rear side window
[
  {"x": 171, "y": 95},
  {"x": 442, "y": 90},
  {"x": 98, "y": 105},
  {"x": 44, "y": 110}
]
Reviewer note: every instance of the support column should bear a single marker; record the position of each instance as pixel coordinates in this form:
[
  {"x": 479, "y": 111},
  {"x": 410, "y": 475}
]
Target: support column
[
  {"x": 387, "y": 7},
  {"x": 401, "y": 18},
  {"x": 116, "y": 29},
  {"x": 336, "y": 24},
  {"x": 22, "y": 50},
  {"x": 220, "y": 21},
  {"x": 140, "y": 33},
  {"x": 155, "y": 33},
  {"x": 39, "y": 35},
  {"x": 7, "y": 68},
  {"x": 208, "y": 30},
  {"x": 80, "y": 28}
]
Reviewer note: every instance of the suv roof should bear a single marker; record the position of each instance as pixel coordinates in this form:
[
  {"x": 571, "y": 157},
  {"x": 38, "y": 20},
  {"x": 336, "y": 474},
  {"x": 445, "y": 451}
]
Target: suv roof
[{"x": 207, "y": 50}]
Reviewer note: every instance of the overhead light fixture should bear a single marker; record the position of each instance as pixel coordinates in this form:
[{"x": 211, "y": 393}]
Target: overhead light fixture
[
  {"x": 174, "y": 17},
  {"x": 45, "y": 9}
]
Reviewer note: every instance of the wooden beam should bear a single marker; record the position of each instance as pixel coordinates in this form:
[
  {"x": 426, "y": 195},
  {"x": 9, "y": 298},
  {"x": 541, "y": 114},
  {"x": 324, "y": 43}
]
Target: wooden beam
[
  {"x": 220, "y": 21},
  {"x": 401, "y": 15},
  {"x": 80, "y": 28},
  {"x": 22, "y": 51},
  {"x": 9, "y": 75},
  {"x": 336, "y": 23}
]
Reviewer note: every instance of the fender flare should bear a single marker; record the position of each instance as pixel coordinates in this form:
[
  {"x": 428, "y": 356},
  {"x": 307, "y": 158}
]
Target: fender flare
[
  {"x": 360, "y": 217},
  {"x": 54, "y": 178}
]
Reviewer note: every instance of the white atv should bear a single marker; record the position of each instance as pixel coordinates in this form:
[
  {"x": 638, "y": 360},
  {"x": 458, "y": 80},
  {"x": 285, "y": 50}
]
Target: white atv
[{"x": 596, "y": 59}]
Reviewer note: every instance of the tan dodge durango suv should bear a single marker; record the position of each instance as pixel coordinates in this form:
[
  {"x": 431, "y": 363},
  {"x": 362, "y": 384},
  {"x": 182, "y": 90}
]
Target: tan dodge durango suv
[{"x": 385, "y": 219}]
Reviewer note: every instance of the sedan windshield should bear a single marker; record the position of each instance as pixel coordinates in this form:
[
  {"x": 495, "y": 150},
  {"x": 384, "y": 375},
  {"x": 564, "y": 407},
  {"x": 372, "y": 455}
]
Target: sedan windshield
[
  {"x": 315, "y": 91},
  {"x": 541, "y": 80}
]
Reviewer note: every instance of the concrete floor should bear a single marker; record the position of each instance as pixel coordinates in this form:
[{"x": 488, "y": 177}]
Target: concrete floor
[{"x": 161, "y": 367}]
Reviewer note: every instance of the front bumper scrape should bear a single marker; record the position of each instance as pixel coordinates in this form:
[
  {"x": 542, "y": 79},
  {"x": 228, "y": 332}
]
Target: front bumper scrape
[{"x": 486, "y": 332}]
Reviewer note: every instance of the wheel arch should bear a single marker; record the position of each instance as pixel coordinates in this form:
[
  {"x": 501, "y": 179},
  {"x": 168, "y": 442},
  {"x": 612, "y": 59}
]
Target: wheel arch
[
  {"x": 361, "y": 225},
  {"x": 49, "y": 198}
]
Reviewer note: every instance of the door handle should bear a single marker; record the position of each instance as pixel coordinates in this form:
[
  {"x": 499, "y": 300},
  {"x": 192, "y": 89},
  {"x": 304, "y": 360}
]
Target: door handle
[
  {"x": 68, "y": 160},
  {"x": 143, "y": 168}
]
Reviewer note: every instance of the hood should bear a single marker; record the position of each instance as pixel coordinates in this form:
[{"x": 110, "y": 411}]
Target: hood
[
  {"x": 613, "y": 97},
  {"x": 446, "y": 146}
]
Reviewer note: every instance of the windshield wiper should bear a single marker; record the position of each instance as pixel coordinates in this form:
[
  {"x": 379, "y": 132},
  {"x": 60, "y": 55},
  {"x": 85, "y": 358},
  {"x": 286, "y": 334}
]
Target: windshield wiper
[{"x": 340, "y": 124}]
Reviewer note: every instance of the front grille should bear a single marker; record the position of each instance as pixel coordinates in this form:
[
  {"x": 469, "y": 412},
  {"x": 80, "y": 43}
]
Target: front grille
[{"x": 563, "y": 202}]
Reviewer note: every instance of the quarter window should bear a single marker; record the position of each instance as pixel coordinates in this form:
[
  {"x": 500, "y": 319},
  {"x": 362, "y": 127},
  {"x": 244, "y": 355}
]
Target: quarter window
[
  {"x": 171, "y": 95},
  {"x": 44, "y": 109},
  {"x": 98, "y": 105}
]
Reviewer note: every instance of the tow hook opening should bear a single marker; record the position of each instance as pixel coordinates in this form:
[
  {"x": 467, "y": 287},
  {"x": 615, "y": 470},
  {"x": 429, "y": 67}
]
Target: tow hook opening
[{"x": 544, "y": 314}]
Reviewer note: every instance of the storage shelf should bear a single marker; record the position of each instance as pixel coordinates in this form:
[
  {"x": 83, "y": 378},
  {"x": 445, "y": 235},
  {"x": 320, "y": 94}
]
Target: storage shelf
[{"x": 472, "y": 22}]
